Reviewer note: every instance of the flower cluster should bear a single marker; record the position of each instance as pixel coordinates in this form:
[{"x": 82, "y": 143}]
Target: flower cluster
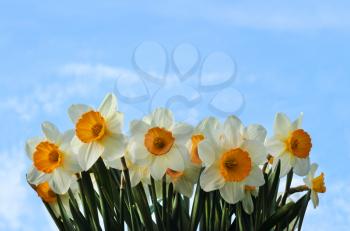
[{"x": 228, "y": 158}]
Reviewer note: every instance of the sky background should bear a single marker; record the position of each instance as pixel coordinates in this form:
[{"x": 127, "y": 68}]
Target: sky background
[{"x": 251, "y": 59}]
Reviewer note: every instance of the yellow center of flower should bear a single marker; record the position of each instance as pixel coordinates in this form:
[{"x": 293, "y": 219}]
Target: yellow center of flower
[
  {"x": 299, "y": 143},
  {"x": 159, "y": 141},
  {"x": 47, "y": 157},
  {"x": 44, "y": 191},
  {"x": 249, "y": 188},
  {"x": 235, "y": 165},
  {"x": 318, "y": 184},
  {"x": 175, "y": 175},
  {"x": 196, "y": 139},
  {"x": 91, "y": 127}
]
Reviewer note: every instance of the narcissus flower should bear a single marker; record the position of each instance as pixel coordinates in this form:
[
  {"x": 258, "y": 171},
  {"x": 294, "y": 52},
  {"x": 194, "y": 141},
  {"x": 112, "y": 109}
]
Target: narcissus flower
[
  {"x": 53, "y": 159},
  {"x": 98, "y": 133},
  {"x": 291, "y": 145},
  {"x": 232, "y": 161},
  {"x": 159, "y": 143},
  {"x": 184, "y": 181},
  {"x": 315, "y": 184},
  {"x": 247, "y": 201}
]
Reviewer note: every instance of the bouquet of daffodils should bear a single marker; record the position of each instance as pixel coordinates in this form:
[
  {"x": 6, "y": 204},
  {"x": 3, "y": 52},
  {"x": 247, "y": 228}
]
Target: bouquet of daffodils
[{"x": 167, "y": 175}]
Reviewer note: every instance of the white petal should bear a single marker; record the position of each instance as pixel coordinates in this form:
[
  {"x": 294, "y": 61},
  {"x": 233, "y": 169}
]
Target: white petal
[
  {"x": 313, "y": 169},
  {"x": 247, "y": 203},
  {"x": 282, "y": 125},
  {"x": 286, "y": 160},
  {"x": 36, "y": 177},
  {"x": 182, "y": 132},
  {"x": 76, "y": 144},
  {"x": 207, "y": 124},
  {"x": 184, "y": 187},
  {"x": 31, "y": 146},
  {"x": 162, "y": 117},
  {"x": 255, "y": 132},
  {"x": 114, "y": 146},
  {"x": 256, "y": 177},
  {"x": 51, "y": 132},
  {"x": 298, "y": 122},
  {"x": 115, "y": 122},
  {"x": 232, "y": 128},
  {"x": 108, "y": 105},
  {"x": 116, "y": 163},
  {"x": 211, "y": 179},
  {"x": 232, "y": 192},
  {"x": 70, "y": 162},
  {"x": 158, "y": 167},
  {"x": 314, "y": 198},
  {"x": 206, "y": 152},
  {"x": 88, "y": 154},
  {"x": 301, "y": 166},
  {"x": 175, "y": 160},
  {"x": 135, "y": 178},
  {"x": 138, "y": 127},
  {"x": 275, "y": 146},
  {"x": 67, "y": 137},
  {"x": 137, "y": 149},
  {"x": 60, "y": 181},
  {"x": 256, "y": 150},
  {"x": 77, "y": 110}
]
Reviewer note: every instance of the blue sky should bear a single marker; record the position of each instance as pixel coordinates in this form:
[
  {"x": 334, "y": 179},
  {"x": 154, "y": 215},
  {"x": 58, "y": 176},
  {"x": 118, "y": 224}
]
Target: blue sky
[{"x": 272, "y": 56}]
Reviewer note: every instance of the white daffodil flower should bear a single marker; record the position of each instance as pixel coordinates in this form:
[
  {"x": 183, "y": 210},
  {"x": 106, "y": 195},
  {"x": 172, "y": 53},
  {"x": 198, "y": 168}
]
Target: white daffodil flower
[
  {"x": 184, "y": 181},
  {"x": 159, "y": 143},
  {"x": 231, "y": 160},
  {"x": 98, "y": 133},
  {"x": 291, "y": 145},
  {"x": 53, "y": 159},
  {"x": 316, "y": 184}
]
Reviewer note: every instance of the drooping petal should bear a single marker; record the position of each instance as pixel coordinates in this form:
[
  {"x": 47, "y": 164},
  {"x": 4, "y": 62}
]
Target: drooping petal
[
  {"x": 182, "y": 132},
  {"x": 108, "y": 106},
  {"x": 88, "y": 154},
  {"x": 256, "y": 177},
  {"x": 135, "y": 177},
  {"x": 232, "y": 192},
  {"x": 51, "y": 132},
  {"x": 137, "y": 149},
  {"x": 70, "y": 162},
  {"x": 275, "y": 146},
  {"x": 206, "y": 152},
  {"x": 313, "y": 169},
  {"x": 232, "y": 128},
  {"x": 158, "y": 167},
  {"x": 314, "y": 198},
  {"x": 282, "y": 125},
  {"x": 255, "y": 132},
  {"x": 116, "y": 163},
  {"x": 301, "y": 166},
  {"x": 247, "y": 203},
  {"x": 31, "y": 146},
  {"x": 184, "y": 187},
  {"x": 211, "y": 179},
  {"x": 163, "y": 118},
  {"x": 60, "y": 181},
  {"x": 114, "y": 146},
  {"x": 36, "y": 177},
  {"x": 77, "y": 110},
  {"x": 256, "y": 150},
  {"x": 115, "y": 123}
]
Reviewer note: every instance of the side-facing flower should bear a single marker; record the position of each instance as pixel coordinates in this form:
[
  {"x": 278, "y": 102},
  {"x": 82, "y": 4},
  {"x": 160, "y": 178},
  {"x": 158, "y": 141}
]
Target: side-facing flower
[
  {"x": 98, "y": 133},
  {"x": 315, "y": 184},
  {"x": 159, "y": 143},
  {"x": 184, "y": 181},
  {"x": 291, "y": 145},
  {"x": 197, "y": 137},
  {"x": 231, "y": 161},
  {"x": 53, "y": 159},
  {"x": 247, "y": 201}
]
